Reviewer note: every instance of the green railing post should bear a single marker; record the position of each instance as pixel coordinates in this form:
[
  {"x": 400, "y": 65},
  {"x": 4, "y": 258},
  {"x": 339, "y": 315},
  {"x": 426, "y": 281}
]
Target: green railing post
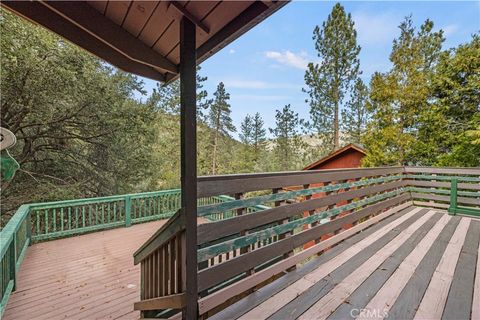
[
  {"x": 453, "y": 197},
  {"x": 128, "y": 211},
  {"x": 13, "y": 262},
  {"x": 29, "y": 226}
]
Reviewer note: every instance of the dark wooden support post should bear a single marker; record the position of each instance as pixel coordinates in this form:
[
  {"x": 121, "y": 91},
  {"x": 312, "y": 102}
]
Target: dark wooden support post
[
  {"x": 188, "y": 125},
  {"x": 287, "y": 234}
]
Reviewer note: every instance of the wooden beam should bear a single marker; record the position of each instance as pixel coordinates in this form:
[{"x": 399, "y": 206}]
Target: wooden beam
[
  {"x": 231, "y": 184},
  {"x": 188, "y": 128},
  {"x": 246, "y": 20},
  {"x": 174, "y": 301},
  {"x": 90, "y": 20},
  {"x": 190, "y": 16},
  {"x": 39, "y": 14}
]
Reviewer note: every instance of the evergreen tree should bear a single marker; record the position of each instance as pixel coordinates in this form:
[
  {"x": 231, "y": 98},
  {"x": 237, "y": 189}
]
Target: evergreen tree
[
  {"x": 246, "y": 152},
  {"x": 220, "y": 121},
  {"x": 259, "y": 138},
  {"x": 167, "y": 97},
  {"x": 400, "y": 97},
  {"x": 246, "y": 130},
  {"x": 354, "y": 115},
  {"x": 329, "y": 81},
  {"x": 288, "y": 143}
]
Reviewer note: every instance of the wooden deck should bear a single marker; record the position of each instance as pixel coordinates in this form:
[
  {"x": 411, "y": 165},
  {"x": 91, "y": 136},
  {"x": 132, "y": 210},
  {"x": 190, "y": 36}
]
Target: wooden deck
[
  {"x": 86, "y": 277},
  {"x": 418, "y": 263}
]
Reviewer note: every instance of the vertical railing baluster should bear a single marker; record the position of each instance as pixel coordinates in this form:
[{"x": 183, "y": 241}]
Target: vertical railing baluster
[
  {"x": 452, "y": 209},
  {"x": 61, "y": 219},
  {"x": 128, "y": 211},
  {"x": 70, "y": 218},
  {"x": 37, "y": 213},
  {"x": 76, "y": 218},
  {"x": 54, "y": 219},
  {"x": 45, "y": 212}
]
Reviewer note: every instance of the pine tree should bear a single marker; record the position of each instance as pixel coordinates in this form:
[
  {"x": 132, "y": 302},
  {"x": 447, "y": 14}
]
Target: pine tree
[
  {"x": 259, "y": 138},
  {"x": 329, "y": 81},
  {"x": 220, "y": 121},
  {"x": 167, "y": 98},
  {"x": 355, "y": 115},
  {"x": 246, "y": 130},
  {"x": 246, "y": 151},
  {"x": 288, "y": 143}
]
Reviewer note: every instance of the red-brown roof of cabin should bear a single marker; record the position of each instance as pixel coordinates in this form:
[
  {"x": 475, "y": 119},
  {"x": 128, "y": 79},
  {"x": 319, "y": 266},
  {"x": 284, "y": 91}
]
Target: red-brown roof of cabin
[{"x": 338, "y": 152}]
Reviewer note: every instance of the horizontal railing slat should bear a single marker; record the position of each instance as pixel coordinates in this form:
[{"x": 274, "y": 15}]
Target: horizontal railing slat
[
  {"x": 461, "y": 200},
  {"x": 221, "y": 272},
  {"x": 438, "y": 184},
  {"x": 444, "y": 170},
  {"x": 231, "y": 184},
  {"x": 215, "y": 230}
]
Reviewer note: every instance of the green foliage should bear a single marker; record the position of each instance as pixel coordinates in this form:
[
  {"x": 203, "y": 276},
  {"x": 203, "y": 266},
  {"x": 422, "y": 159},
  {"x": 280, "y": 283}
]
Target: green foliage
[
  {"x": 220, "y": 121},
  {"x": 253, "y": 138},
  {"x": 79, "y": 130},
  {"x": 329, "y": 81},
  {"x": 355, "y": 114},
  {"x": 426, "y": 109},
  {"x": 288, "y": 143},
  {"x": 398, "y": 97}
]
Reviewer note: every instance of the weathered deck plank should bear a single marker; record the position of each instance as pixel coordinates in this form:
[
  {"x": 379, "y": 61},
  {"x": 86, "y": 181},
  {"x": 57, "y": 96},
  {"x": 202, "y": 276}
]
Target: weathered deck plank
[
  {"x": 415, "y": 259},
  {"x": 433, "y": 301},
  {"x": 269, "y": 307},
  {"x": 460, "y": 296},
  {"x": 251, "y": 301},
  {"x": 86, "y": 277}
]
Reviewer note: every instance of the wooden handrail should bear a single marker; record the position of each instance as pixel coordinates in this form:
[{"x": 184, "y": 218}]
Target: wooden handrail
[{"x": 173, "y": 226}]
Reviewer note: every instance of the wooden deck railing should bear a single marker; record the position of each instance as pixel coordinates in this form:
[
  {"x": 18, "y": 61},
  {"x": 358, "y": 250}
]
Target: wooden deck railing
[
  {"x": 52, "y": 220},
  {"x": 247, "y": 248},
  {"x": 432, "y": 187}
]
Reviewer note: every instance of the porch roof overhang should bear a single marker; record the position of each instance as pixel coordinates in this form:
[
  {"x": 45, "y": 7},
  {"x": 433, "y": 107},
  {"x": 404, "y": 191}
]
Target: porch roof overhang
[{"x": 143, "y": 37}]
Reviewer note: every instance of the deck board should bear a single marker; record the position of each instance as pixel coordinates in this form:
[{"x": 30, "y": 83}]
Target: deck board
[
  {"x": 415, "y": 259},
  {"x": 91, "y": 276},
  {"x": 259, "y": 296}
]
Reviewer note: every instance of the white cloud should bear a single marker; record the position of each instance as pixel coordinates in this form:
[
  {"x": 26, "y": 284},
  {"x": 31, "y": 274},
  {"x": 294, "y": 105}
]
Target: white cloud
[
  {"x": 255, "y": 84},
  {"x": 231, "y": 51},
  {"x": 373, "y": 28},
  {"x": 450, "y": 29},
  {"x": 289, "y": 58}
]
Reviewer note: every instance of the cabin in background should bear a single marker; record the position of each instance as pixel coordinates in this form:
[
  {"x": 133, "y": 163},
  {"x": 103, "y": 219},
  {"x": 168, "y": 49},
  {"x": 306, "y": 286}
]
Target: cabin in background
[{"x": 349, "y": 156}]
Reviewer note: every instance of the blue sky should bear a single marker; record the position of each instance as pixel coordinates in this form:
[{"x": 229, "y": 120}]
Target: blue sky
[{"x": 264, "y": 69}]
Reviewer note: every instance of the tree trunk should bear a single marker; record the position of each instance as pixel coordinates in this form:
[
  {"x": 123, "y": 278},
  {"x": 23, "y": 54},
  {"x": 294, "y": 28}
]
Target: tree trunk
[
  {"x": 336, "y": 136},
  {"x": 214, "y": 158}
]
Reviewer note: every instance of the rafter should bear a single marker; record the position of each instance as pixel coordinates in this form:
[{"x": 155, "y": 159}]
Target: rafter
[
  {"x": 39, "y": 14},
  {"x": 97, "y": 25},
  {"x": 190, "y": 16}
]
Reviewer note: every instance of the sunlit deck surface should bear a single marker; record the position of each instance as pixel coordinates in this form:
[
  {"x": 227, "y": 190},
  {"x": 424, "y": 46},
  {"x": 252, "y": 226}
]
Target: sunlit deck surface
[{"x": 418, "y": 263}]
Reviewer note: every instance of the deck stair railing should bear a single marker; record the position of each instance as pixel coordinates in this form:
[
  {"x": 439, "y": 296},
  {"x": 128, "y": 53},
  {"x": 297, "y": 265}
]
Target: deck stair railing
[{"x": 246, "y": 249}]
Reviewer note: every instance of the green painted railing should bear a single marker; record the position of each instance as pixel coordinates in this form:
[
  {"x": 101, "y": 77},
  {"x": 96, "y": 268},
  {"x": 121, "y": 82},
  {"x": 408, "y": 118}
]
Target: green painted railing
[
  {"x": 52, "y": 220},
  {"x": 454, "y": 208}
]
